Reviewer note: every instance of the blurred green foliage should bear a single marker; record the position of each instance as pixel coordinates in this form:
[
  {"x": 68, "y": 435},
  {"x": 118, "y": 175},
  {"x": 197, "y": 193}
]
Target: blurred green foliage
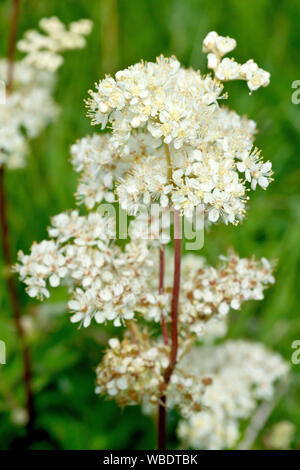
[{"x": 69, "y": 416}]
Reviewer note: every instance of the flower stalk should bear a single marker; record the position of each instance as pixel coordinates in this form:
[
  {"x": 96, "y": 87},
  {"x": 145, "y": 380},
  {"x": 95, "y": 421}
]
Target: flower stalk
[{"x": 174, "y": 328}]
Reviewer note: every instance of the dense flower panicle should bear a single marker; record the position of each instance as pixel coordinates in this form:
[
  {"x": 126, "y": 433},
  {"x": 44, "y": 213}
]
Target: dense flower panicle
[
  {"x": 162, "y": 97},
  {"x": 170, "y": 143},
  {"x": 242, "y": 373},
  {"x": 44, "y": 50},
  {"x": 102, "y": 165},
  {"x": 208, "y": 177},
  {"x": 25, "y": 113},
  {"x": 30, "y": 106},
  {"x": 197, "y": 154},
  {"x": 110, "y": 284},
  {"x": 208, "y": 293},
  {"x": 228, "y": 69},
  {"x": 106, "y": 282},
  {"x": 132, "y": 372}
]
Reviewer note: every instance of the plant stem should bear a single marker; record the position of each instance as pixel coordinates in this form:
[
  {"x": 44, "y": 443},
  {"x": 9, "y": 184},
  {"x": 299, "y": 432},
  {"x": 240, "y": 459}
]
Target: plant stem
[
  {"x": 5, "y": 238},
  {"x": 109, "y": 30},
  {"x": 174, "y": 329},
  {"x": 162, "y": 419},
  {"x": 12, "y": 44}
]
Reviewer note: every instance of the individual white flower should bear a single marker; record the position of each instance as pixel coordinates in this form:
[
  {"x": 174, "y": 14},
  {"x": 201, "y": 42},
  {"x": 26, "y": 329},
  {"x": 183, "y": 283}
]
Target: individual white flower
[
  {"x": 212, "y": 61},
  {"x": 225, "y": 45},
  {"x": 255, "y": 76},
  {"x": 227, "y": 69},
  {"x": 255, "y": 170},
  {"x": 219, "y": 45}
]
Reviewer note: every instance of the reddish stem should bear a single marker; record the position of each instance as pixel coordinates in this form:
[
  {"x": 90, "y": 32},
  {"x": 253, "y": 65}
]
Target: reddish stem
[
  {"x": 162, "y": 421},
  {"x": 11, "y": 286},
  {"x": 174, "y": 329}
]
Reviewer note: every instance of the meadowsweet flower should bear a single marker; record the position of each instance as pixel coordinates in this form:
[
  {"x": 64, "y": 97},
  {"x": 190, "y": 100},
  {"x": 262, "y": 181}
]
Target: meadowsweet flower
[
  {"x": 107, "y": 283},
  {"x": 208, "y": 293},
  {"x": 30, "y": 106},
  {"x": 219, "y": 45},
  {"x": 44, "y": 50},
  {"x": 132, "y": 372},
  {"x": 193, "y": 147},
  {"x": 25, "y": 113},
  {"x": 169, "y": 142},
  {"x": 242, "y": 373},
  {"x": 228, "y": 69},
  {"x": 206, "y": 176}
]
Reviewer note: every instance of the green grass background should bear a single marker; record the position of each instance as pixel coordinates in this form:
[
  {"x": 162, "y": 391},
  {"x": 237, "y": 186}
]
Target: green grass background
[{"x": 69, "y": 416}]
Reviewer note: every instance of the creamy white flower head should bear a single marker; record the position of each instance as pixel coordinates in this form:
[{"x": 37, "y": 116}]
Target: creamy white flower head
[
  {"x": 181, "y": 149},
  {"x": 30, "y": 106},
  {"x": 208, "y": 293},
  {"x": 26, "y": 112},
  {"x": 242, "y": 373},
  {"x": 44, "y": 50},
  {"x": 133, "y": 371},
  {"x": 169, "y": 142},
  {"x": 163, "y": 98},
  {"x": 206, "y": 175},
  {"x": 106, "y": 283}
]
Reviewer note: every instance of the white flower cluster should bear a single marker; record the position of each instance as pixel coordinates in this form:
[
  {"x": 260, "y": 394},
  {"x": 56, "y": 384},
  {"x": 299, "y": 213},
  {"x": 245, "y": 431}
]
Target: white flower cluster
[
  {"x": 208, "y": 176},
  {"x": 162, "y": 97},
  {"x": 132, "y": 372},
  {"x": 106, "y": 282},
  {"x": 242, "y": 373},
  {"x": 110, "y": 284},
  {"x": 208, "y": 293},
  {"x": 44, "y": 50},
  {"x": 26, "y": 112},
  {"x": 170, "y": 142},
  {"x": 228, "y": 69},
  {"x": 30, "y": 106},
  {"x": 102, "y": 165}
]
